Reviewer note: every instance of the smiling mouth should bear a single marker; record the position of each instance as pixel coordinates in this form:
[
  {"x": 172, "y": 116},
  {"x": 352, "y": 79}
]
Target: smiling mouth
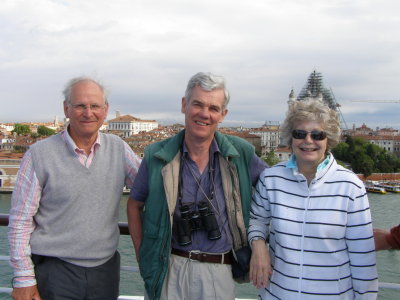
[
  {"x": 201, "y": 123},
  {"x": 308, "y": 149}
]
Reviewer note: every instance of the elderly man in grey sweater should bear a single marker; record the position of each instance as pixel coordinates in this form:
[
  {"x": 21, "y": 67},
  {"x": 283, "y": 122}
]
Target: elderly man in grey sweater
[{"x": 63, "y": 229}]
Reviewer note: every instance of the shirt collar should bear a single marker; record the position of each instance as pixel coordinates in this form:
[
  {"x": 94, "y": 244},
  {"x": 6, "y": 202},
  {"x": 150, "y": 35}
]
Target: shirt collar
[
  {"x": 213, "y": 147},
  {"x": 71, "y": 144},
  {"x": 292, "y": 163}
]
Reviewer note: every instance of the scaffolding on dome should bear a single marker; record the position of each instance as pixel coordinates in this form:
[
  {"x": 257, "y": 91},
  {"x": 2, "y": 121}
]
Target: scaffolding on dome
[{"x": 315, "y": 88}]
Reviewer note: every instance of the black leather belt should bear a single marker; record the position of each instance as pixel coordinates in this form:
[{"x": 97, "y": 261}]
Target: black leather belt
[{"x": 205, "y": 257}]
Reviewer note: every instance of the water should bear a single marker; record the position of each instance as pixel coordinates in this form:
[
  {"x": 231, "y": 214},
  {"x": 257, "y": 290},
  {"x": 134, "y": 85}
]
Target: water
[{"x": 385, "y": 213}]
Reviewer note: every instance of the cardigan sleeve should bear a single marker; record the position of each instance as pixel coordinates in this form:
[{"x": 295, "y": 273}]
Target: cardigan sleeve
[
  {"x": 260, "y": 213},
  {"x": 361, "y": 248}
]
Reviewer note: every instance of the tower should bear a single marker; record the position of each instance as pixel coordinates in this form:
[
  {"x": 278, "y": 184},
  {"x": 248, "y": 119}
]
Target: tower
[{"x": 314, "y": 88}]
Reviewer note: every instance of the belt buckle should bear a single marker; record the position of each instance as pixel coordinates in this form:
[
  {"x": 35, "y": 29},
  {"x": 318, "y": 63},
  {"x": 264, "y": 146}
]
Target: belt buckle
[{"x": 193, "y": 252}]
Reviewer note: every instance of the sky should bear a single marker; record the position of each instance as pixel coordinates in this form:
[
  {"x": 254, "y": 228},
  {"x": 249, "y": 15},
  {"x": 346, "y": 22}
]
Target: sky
[{"x": 145, "y": 51}]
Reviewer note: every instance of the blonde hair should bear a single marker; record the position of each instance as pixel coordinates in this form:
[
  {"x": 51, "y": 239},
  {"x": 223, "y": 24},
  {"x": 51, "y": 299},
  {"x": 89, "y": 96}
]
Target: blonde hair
[{"x": 311, "y": 110}]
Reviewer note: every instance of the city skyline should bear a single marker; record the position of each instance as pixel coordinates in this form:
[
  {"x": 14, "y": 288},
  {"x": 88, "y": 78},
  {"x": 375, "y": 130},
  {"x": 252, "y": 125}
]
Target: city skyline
[{"x": 145, "y": 52}]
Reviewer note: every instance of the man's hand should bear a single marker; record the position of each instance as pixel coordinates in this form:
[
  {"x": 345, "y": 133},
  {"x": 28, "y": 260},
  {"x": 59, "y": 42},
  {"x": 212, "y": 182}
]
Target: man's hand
[
  {"x": 134, "y": 210},
  {"x": 26, "y": 293},
  {"x": 260, "y": 265}
]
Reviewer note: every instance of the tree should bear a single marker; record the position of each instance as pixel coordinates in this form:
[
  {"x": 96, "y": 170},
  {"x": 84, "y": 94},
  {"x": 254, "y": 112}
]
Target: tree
[
  {"x": 341, "y": 151},
  {"x": 45, "y": 131},
  {"x": 366, "y": 158},
  {"x": 21, "y": 129},
  {"x": 271, "y": 158},
  {"x": 363, "y": 164}
]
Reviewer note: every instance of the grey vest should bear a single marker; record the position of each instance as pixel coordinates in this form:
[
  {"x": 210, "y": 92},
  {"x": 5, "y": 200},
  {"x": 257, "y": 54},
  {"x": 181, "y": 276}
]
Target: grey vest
[{"x": 77, "y": 219}]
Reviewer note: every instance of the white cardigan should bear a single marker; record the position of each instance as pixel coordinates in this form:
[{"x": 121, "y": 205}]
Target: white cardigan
[{"x": 320, "y": 236}]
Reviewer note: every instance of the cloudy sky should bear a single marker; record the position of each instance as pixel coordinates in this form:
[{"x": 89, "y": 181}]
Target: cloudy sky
[{"x": 145, "y": 51}]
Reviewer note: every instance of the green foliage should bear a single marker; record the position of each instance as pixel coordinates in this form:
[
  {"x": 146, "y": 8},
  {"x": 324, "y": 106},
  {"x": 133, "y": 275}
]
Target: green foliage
[
  {"x": 19, "y": 149},
  {"x": 366, "y": 158},
  {"x": 21, "y": 129},
  {"x": 271, "y": 158},
  {"x": 45, "y": 131}
]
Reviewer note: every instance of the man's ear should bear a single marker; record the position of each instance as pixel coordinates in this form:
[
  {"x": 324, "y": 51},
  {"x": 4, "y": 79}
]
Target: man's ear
[
  {"x": 66, "y": 109},
  {"x": 106, "y": 109},
  {"x": 224, "y": 113},
  {"x": 183, "y": 106}
]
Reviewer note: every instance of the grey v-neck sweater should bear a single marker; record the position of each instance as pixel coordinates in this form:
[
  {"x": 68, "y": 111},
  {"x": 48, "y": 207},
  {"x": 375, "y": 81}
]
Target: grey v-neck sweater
[{"x": 77, "y": 219}]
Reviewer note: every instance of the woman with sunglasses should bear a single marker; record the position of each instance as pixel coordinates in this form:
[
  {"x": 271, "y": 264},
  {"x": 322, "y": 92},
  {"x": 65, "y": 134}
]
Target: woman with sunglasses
[{"x": 316, "y": 216}]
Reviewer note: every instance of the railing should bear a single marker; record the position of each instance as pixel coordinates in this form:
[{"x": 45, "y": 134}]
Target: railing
[{"x": 124, "y": 230}]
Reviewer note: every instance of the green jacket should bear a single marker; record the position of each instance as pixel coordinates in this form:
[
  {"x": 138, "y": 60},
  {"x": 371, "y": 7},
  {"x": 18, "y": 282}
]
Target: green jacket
[{"x": 163, "y": 159}]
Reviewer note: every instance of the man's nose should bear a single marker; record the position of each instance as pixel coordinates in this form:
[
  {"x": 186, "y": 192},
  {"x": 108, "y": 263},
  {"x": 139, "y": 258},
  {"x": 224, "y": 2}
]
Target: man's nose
[
  {"x": 204, "y": 112},
  {"x": 87, "y": 111}
]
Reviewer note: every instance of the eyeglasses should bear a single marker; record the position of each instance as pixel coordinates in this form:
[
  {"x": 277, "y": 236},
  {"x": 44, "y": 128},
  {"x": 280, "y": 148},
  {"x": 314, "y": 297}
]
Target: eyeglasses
[
  {"x": 82, "y": 107},
  {"x": 316, "y": 135}
]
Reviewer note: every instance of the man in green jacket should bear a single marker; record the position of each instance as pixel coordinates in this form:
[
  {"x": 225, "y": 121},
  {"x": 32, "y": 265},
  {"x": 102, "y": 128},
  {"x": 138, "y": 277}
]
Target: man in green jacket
[{"x": 189, "y": 206}]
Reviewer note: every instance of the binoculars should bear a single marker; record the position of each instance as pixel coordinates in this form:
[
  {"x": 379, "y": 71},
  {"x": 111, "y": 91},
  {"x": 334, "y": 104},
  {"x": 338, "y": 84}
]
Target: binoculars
[{"x": 203, "y": 219}]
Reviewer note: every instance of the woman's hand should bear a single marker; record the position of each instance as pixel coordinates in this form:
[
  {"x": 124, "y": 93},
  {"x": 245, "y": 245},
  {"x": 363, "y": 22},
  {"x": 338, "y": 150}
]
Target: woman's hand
[{"x": 260, "y": 264}]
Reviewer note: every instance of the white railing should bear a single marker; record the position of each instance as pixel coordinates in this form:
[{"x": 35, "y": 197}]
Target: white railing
[{"x": 382, "y": 285}]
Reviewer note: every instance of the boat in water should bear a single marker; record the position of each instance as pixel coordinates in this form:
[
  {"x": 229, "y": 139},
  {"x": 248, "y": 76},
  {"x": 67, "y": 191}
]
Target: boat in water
[
  {"x": 375, "y": 189},
  {"x": 390, "y": 188}
]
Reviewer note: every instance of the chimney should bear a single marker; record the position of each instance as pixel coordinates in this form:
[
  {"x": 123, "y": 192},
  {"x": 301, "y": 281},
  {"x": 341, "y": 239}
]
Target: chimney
[{"x": 117, "y": 114}]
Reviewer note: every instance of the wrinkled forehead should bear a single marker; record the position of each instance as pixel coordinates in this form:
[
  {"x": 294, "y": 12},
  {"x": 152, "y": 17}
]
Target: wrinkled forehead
[{"x": 87, "y": 91}]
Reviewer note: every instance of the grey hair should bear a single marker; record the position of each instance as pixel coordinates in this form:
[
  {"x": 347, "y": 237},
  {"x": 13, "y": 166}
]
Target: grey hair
[
  {"x": 311, "y": 110},
  {"x": 208, "y": 82},
  {"x": 68, "y": 88}
]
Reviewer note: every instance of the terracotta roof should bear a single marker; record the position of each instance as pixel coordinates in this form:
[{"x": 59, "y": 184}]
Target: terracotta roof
[
  {"x": 283, "y": 149},
  {"x": 262, "y": 129},
  {"x": 10, "y": 155}
]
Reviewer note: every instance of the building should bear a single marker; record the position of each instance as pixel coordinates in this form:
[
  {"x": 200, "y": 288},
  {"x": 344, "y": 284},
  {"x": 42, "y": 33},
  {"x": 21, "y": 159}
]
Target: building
[
  {"x": 9, "y": 166},
  {"x": 388, "y": 143},
  {"x": 6, "y": 127},
  {"x": 364, "y": 130},
  {"x": 270, "y": 138},
  {"x": 386, "y": 138},
  {"x": 253, "y": 139},
  {"x": 128, "y": 125},
  {"x": 283, "y": 153}
]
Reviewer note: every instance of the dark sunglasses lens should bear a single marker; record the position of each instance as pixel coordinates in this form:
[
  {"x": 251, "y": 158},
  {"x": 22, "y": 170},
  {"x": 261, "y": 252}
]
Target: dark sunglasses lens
[
  {"x": 315, "y": 134},
  {"x": 318, "y": 135},
  {"x": 299, "y": 134}
]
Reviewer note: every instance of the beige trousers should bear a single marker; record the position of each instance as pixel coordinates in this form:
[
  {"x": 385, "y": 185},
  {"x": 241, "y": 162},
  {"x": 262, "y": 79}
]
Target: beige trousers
[{"x": 193, "y": 280}]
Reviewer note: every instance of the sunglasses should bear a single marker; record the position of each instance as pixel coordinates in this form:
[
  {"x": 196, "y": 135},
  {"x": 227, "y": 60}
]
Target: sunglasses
[{"x": 316, "y": 135}]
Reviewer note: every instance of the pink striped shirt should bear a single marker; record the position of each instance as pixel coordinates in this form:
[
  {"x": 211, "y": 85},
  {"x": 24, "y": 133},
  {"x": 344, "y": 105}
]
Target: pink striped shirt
[{"x": 25, "y": 203}]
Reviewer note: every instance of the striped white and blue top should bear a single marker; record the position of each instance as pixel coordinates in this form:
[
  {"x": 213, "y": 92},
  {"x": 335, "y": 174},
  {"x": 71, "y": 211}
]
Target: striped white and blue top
[{"x": 320, "y": 235}]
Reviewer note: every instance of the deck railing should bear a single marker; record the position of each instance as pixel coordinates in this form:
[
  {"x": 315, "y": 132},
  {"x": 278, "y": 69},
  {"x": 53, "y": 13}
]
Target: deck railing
[{"x": 124, "y": 230}]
